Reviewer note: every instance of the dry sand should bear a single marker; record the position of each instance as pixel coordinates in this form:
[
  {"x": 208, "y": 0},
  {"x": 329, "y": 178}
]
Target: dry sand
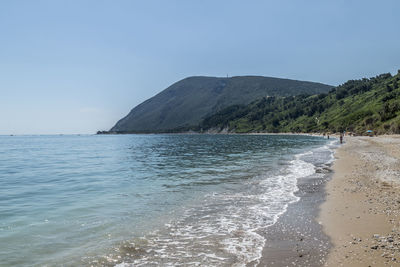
[{"x": 362, "y": 211}]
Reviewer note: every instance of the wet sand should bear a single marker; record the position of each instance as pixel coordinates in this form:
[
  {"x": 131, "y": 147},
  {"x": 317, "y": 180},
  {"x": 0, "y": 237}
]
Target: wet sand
[
  {"x": 362, "y": 211},
  {"x": 352, "y": 219},
  {"x": 297, "y": 239}
]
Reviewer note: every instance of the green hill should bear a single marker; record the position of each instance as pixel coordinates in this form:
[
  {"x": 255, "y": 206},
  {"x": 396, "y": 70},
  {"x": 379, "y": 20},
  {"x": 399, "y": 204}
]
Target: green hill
[
  {"x": 187, "y": 102},
  {"x": 356, "y": 106}
]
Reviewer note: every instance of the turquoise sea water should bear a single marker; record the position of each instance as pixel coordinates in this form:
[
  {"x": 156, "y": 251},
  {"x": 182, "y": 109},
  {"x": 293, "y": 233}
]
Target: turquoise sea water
[{"x": 147, "y": 200}]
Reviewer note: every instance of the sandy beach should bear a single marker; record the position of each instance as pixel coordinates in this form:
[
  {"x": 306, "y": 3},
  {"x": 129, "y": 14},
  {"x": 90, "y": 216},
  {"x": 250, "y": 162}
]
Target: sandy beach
[
  {"x": 297, "y": 238},
  {"x": 362, "y": 207},
  {"x": 349, "y": 218}
]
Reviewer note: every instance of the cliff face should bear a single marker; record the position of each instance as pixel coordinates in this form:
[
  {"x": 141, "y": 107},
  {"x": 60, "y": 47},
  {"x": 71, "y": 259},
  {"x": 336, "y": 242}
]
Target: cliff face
[{"x": 190, "y": 100}]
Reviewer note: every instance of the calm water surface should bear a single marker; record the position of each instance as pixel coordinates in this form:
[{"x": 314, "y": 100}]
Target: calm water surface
[{"x": 147, "y": 200}]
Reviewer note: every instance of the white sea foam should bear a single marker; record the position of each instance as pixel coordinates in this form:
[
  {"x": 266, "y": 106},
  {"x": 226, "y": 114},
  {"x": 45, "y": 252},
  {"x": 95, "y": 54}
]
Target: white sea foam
[
  {"x": 115, "y": 190},
  {"x": 227, "y": 229}
]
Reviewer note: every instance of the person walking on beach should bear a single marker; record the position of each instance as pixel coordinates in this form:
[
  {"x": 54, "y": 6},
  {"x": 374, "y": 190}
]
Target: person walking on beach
[{"x": 341, "y": 138}]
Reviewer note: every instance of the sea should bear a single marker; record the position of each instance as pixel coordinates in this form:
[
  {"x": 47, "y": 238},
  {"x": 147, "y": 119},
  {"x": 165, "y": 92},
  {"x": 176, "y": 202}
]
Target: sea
[{"x": 148, "y": 200}]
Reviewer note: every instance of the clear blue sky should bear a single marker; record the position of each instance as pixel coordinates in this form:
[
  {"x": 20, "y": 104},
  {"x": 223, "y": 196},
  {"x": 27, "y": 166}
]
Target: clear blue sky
[{"x": 79, "y": 66}]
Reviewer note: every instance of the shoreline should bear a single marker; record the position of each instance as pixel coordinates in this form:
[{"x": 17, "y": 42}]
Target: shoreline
[
  {"x": 362, "y": 208},
  {"x": 350, "y": 218},
  {"x": 297, "y": 238}
]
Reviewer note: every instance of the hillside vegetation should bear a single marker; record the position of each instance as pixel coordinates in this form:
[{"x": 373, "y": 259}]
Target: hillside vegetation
[
  {"x": 187, "y": 102},
  {"x": 355, "y": 106}
]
